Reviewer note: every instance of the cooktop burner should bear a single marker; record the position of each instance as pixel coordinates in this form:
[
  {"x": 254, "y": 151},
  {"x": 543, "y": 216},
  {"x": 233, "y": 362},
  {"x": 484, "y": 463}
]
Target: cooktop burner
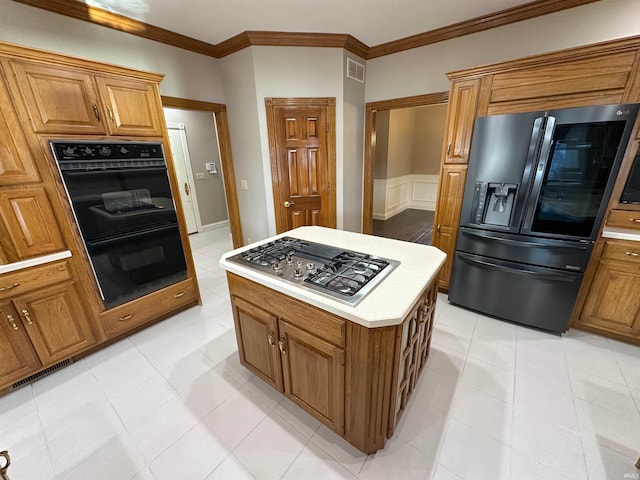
[{"x": 344, "y": 275}]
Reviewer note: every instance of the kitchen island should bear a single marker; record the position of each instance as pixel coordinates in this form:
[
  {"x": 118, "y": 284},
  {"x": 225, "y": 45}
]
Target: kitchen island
[{"x": 351, "y": 367}]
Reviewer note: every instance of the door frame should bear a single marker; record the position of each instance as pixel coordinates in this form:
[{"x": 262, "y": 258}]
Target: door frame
[
  {"x": 184, "y": 146},
  {"x": 330, "y": 104},
  {"x": 226, "y": 159},
  {"x": 371, "y": 109}
]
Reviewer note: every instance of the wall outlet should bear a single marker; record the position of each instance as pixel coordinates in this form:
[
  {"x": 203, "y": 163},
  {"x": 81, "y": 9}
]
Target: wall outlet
[
  {"x": 244, "y": 185},
  {"x": 199, "y": 176},
  {"x": 249, "y": 240}
]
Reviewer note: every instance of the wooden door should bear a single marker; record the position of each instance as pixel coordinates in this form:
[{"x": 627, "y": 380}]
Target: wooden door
[
  {"x": 56, "y": 322},
  {"x": 257, "y": 334},
  {"x": 302, "y": 148},
  {"x": 16, "y": 162},
  {"x": 451, "y": 190},
  {"x": 60, "y": 100},
  {"x": 28, "y": 222},
  {"x": 313, "y": 372},
  {"x": 17, "y": 356},
  {"x": 132, "y": 106}
]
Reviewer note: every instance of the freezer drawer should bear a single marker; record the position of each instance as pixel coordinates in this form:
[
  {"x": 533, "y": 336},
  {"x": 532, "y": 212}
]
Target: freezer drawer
[{"x": 537, "y": 296}]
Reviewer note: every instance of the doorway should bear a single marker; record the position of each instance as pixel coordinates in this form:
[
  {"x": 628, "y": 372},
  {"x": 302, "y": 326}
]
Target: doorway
[
  {"x": 223, "y": 173},
  {"x": 403, "y": 142},
  {"x": 303, "y": 161}
]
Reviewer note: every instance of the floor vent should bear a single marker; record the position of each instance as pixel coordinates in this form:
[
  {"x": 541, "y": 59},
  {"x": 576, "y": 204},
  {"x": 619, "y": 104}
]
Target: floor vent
[
  {"x": 355, "y": 70},
  {"x": 41, "y": 374}
]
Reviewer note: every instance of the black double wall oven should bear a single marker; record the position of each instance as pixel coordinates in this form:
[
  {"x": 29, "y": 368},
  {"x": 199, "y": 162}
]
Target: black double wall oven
[
  {"x": 121, "y": 198},
  {"x": 537, "y": 189}
]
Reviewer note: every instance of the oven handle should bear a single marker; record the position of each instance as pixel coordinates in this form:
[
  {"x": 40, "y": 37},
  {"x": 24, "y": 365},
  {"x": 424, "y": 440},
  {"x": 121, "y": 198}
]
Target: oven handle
[
  {"x": 98, "y": 171},
  {"x": 559, "y": 277},
  {"x": 132, "y": 235}
]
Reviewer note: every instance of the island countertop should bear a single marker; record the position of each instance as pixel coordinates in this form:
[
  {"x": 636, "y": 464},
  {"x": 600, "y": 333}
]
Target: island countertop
[{"x": 387, "y": 304}]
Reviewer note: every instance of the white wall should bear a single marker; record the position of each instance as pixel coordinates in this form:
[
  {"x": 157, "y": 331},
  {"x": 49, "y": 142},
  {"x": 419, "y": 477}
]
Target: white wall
[
  {"x": 423, "y": 70},
  {"x": 187, "y": 74}
]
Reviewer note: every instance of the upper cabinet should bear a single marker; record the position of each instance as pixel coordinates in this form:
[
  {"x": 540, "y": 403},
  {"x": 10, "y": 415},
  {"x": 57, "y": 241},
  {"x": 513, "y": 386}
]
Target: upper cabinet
[
  {"x": 460, "y": 117},
  {"x": 74, "y": 101},
  {"x": 16, "y": 162}
]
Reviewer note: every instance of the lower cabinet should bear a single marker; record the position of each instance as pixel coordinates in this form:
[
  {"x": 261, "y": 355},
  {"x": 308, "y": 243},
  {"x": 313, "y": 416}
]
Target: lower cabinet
[
  {"x": 355, "y": 380},
  {"x": 40, "y": 328},
  {"x": 612, "y": 304}
]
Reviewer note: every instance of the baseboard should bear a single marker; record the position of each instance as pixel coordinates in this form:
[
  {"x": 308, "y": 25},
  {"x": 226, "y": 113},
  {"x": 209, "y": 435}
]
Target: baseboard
[{"x": 214, "y": 226}]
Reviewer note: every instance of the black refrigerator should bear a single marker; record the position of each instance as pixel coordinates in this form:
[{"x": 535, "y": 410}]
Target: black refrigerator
[{"x": 537, "y": 189}]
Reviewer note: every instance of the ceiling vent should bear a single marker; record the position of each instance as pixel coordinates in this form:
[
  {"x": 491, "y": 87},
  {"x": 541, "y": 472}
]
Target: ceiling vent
[{"x": 355, "y": 70}]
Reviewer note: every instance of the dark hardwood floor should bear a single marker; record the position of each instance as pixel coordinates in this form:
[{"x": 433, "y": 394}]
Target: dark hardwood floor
[{"x": 410, "y": 225}]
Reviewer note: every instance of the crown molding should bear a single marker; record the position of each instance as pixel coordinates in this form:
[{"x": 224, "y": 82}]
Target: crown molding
[{"x": 98, "y": 16}]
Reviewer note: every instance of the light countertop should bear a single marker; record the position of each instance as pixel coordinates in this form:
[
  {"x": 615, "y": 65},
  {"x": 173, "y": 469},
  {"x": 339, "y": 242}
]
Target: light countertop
[
  {"x": 32, "y": 262},
  {"x": 388, "y": 303},
  {"x": 621, "y": 233}
]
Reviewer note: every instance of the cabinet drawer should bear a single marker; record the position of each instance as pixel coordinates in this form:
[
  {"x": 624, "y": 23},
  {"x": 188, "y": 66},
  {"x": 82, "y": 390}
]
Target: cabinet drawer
[
  {"x": 624, "y": 219},
  {"x": 621, "y": 250},
  {"x": 125, "y": 317},
  {"x": 22, "y": 281}
]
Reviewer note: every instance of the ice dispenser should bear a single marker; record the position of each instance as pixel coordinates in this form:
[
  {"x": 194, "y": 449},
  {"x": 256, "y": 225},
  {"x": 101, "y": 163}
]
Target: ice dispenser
[{"x": 493, "y": 203}]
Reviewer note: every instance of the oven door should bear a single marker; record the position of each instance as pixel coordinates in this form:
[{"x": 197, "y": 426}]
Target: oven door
[{"x": 132, "y": 265}]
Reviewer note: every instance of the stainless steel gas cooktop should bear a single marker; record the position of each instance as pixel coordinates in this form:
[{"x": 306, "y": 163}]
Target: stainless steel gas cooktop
[{"x": 344, "y": 275}]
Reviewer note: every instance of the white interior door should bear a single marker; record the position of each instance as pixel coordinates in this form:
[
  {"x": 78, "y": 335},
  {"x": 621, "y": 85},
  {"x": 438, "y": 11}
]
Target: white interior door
[{"x": 182, "y": 164}]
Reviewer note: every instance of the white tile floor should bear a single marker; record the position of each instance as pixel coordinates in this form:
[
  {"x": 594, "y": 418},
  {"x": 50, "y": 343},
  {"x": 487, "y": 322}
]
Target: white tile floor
[{"x": 497, "y": 401}]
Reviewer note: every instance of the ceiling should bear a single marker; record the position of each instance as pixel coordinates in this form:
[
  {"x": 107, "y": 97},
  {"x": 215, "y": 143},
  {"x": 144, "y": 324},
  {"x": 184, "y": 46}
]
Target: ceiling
[{"x": 373, "y": 22}]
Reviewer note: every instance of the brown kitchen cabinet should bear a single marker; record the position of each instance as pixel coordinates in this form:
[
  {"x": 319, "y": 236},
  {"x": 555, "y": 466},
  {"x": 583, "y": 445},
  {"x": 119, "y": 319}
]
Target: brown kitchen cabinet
[
  {"x": 16, "y": 161},
  {"x": 463, "y": 101},
  {"x": 355, "y": 380},
  {"x": 46, "y": 317},
  {"x": 18, "y": 358},
  {"x": 28, "y": 224},
  {"x": 71, "y": 100},
  {"x": 612, "y": 304},
  {"x": 284, "y": 355},
  {"x": 447, "y": 218}
]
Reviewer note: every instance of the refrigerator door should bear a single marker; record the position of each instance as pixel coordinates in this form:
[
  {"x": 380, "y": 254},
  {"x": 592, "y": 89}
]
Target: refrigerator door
[
  {"x": 503, "y": 151},
  {"x": 537, "y": 296},
  {"x": 576, "y": 170}
]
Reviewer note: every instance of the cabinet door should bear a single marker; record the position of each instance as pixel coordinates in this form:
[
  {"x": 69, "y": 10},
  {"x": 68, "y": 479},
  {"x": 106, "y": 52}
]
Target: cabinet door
[
  {"x": 58, "y": 99},
  {"x": 16, "y": 163},
  {"x": 450, "y": 192},
  {"x": 56, "y": 322},
  {"x": 17, "y": 357},
  {"x": 313, "y": 374},
  {"x": 29, "y": 223},
  {"x": 133, "y": 108},
  {"x": 463, "y": 103},
  {"x": 613, "y": 301},
  {"x": 257, "y": 333}
]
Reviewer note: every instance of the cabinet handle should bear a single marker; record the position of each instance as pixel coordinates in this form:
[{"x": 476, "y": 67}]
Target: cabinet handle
[
  {"x": 272, "y": 339},
  {"x": 96, "y": 112},
  {"x": 12, "y": 321},
  {"x": 178, "y": 295},
  {"x": 634, "y": 220},
  {"x": 632, "y": 254},
  {"x": 126, "y": 317},
  {"x": 109, "y": 109},
  {"x": 25, "y": 312},
  {"x": 281, "y": 344},
  {"x": 449, "y": 149},
  {"x": 438, "y": 228},
  {"x": 9, "y": 287}
]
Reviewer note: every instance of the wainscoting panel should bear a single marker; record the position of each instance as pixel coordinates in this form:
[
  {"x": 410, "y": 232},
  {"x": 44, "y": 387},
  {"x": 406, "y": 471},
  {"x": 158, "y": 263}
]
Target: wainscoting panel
[{"x": 394, "y": 195}]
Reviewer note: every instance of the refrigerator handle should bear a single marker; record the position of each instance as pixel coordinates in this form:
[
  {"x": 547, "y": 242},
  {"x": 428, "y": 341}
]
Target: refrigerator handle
[
  {"x": 539, "y": 173},
  {"x": 556, "y": 276}
]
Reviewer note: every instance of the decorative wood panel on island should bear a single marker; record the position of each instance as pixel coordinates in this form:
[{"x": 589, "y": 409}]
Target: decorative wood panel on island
[{"x": 352, "y": 367}]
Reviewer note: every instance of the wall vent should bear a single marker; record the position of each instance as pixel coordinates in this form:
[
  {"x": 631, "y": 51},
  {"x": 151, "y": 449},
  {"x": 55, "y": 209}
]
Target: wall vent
[
  {"x": 41, "y": 374},
  {"x": 355, "y": 70}
]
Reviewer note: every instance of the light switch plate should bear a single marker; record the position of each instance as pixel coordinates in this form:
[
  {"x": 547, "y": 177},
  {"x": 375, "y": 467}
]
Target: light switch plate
[
  {"x": 244, "y": 185},
  {"x": 199, "y": 176}
]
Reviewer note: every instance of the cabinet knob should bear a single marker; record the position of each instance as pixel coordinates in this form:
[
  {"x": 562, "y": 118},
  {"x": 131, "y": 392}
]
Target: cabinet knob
[
  {"x": 12, "y": 321},
  {"x": 9, "y": 287},
  {"x": 281, "y": 345},
  {"x": 25, "y": 312}
]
